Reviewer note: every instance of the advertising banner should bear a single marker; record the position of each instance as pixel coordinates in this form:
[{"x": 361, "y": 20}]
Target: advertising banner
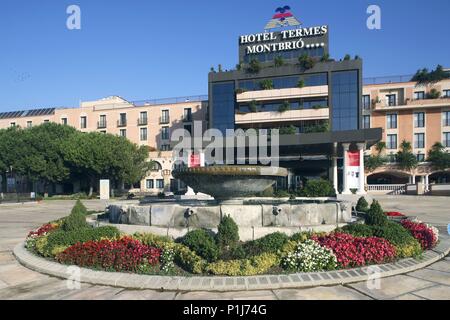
[{"x": 353, "y": 169}]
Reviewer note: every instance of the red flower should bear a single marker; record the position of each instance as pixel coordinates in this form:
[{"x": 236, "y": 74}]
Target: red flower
[
  {"x": 394, "y": 214},
  {"x": 42, "y": 230},
  {"x": 353, "y": 251},
  {"x": 422, "y": 233}
]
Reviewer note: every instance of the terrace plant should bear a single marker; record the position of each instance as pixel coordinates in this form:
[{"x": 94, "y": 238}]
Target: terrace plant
[
  {"x": 278, "y": 61},
  {"x": 425, "y": 77},
  {"x": 266, "y": 84},
  {"x": 325, "y": 57},
  {"x": 285, "y": 106},
  {"x": 254, "y": 66},
  {"x": 253, "y": 106},
  {"x": 306, "y": 62},
  {"x": 434, "y": 94},
  {"x": 301, "y": 83}
]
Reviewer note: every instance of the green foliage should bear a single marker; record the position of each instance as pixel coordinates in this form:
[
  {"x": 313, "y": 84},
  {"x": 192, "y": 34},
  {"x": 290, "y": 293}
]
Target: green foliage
[
  {"x": 202, "y": 243},
  {"x": 301, "y": 236},
  {"x": 358, "y": 230},
  {"x": 374, "y": 161},
  {"x": 288, "y": 130},
  {"x": 306, "y": 62},
  {"x": 406, "y": 159},
  {"x": 61, "y": 238},
  {"x": 318, "y": 188},
  {"x": 439, "y": 158},
  {"x": 254, "y": 66},
  {"x": 323, "y": 127},
  {"x": 285, "y": 106},
  {"x": 77, "y": 218},
  {"x": 266, "y": 84},
  {"x": 301, "y": 83},
  {"x": 271, "y": 243},
  {"x": 278, "y": 61},
  {"x": 347, "y": 57},
  {"x": 433, "y": 94},
  {"x": 362, "y": 205},
  {"x": 246, "y": 267},
  {"x": 423, "y": 76},
  {"x": 253, "y": 106},
  {"x": 375, "y": 216},
  {"x": 228, "y": 233},
  {"x": 325, "y": 57}
]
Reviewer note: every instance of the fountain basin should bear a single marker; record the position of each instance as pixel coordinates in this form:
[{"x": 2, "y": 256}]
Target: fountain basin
[{"x": 228, "y": 182}]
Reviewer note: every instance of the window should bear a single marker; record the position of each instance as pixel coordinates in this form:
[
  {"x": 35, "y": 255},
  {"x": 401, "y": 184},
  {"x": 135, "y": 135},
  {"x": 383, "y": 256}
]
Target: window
[
  {"x": 29, "y": 124},
  {"x": 155, "y": 166},
  {"x": 187, "y": 114},
  {"x": 46, "y": 121},
  {"x": 446, "y": 94},
  {"x": 366, "y": 122},
  {"x": 419, "y": 119},
  {"x": 150, "y": 184},
  {"x": 420, "y": 157},
  {"x": 143, "y": 118},
  {"x": 122, "y": 120},
  {"x": 83, "y": 122},
  {"x": 188, "y": 128},
  {"x": 391, "y": 100},
  {"x": 419, "y": 140},
  {"x": 222, "y": 106},
  {"x": 102, "y": 122},
  {"x": 165, "y": 147},
  {"x": 391, "y": 141},
  {"x": 446, "y": 118},
  {"x": 64, "y": 121},
  {"x": 123, "y": 133},
  {"x": 143, "y": 134},
  {"x": 392, "y": 121},
  {"x": 165, "y": 133},
  {"x": 160, "y": 183},
  {"x": 12, "y": 124},
  {"x": 366, "y": 102},
  {"x": 165, "y": 116},
  {"x": 446, "y": 141},
  {"x": 419, "y": 95},
  {"x": 345, "y": 100}
]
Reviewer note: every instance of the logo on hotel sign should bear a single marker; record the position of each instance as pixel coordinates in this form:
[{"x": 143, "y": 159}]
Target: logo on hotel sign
[{"x": 283, "y": 18}]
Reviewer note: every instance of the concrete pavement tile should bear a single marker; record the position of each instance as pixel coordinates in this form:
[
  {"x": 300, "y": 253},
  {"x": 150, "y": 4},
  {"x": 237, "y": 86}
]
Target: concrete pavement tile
[
  {"x": 6, "y": 257},
  {"x": 17, "y": 274},
  {"x": 392, "y": 287},
  {"x": 144, "y": 295},
  {"x": 439, "y": 292},
  {"x": 443, "y": 265},
  {"x": 432, "y": 275},
  {"x": 238, "y": 295},
  {"x": 320, "y": 293},
  {"x": 94, "y": 293},
  {"x": 408, "y": 296}
]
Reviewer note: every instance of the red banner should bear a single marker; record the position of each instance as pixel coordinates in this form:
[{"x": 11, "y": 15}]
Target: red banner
[
  {"x": 353, "y": 158},
  {"x": 195, "y": 161}
]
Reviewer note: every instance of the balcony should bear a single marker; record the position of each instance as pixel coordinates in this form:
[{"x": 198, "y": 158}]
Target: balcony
[
  {"x": 121, "y": 123},
  {"x": 412, "y": 104},
  {"x": 187, "y": 118},
  {"x": 101, "y": 125},
  {"x": 276, "y": 94},
  {"x": 290, "y": 115},
  {"x": 142, "y": 122},
  {"x": 164, "y": 120}
]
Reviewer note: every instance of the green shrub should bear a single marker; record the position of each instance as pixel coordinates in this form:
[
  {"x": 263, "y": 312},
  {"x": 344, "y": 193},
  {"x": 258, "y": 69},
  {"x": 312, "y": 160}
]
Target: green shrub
[
  {"x": 301, "y": 236},
  {"x": 188, "y": 259},
  {"x": 358, "y": 230},
  {"x": 375, "y": 216},
  {"x": 245, "y": 267},
  {"x": 362, "y": 205},
  {"x": 61, "y": 238},
  {"x": 318, "y": 188},
  {"x": 228, "y": 233},
  {"x": 202, "y": 243},
  {"x": 272, "y": 243},
  {"x": 77, "y": 218},
  {"x": 153, "y": 240}
]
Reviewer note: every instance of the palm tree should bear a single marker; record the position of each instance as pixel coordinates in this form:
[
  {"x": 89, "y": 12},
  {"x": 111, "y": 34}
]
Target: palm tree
[{"x": 405, "y": 158}]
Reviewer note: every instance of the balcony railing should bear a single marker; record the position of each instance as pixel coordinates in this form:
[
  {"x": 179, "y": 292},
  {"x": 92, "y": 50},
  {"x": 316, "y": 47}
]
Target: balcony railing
[
  {"x": 142, "y": 121},
  {"x": 101, "y": 124},
  {"x": 121, "y": 123},
  {"x": 394, "y": 189},
  {"x": 164, "y": 120},
  {"x": 187, "y": 118}
]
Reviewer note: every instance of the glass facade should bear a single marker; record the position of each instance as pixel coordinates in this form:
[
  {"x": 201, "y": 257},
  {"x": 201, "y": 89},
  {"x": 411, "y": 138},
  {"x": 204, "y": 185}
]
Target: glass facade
[
  {"x": 292, "y": 54},
  {"x": 319, "y": 79},
  {"x": 298, "y": 104},
  {"x": 345, "y": 100},
  {"x": 223, "y": 106}
]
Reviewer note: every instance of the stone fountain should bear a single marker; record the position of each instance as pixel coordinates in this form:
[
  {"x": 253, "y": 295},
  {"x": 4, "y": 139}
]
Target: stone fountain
[{"x": 234, "y": 189}]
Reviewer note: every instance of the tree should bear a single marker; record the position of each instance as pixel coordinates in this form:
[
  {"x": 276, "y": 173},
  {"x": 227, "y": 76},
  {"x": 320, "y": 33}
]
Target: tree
[
  {"x": 306, "y": 62},
  {"x": 94, "y": 156},
  {"x": 438, "y": 157},
  {"x": 278, "y": 61},
  {"x": 376, "y": 160},
  {"x": 405, "y": 158},
  {"x": 423, "y": 76}
]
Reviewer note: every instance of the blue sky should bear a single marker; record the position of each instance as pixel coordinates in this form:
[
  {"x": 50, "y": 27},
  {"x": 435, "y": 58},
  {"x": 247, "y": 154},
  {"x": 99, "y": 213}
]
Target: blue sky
[{"x": 151, "y": 49}]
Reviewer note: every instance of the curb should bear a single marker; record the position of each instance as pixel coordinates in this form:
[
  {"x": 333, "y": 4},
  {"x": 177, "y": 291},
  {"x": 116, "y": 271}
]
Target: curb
[{"x": 263, "y": 282}]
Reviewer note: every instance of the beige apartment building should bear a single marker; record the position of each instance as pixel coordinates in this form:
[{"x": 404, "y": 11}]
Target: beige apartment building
[
  {"x": 417, "y": 113},
  {"x": 147, "y": 123}
]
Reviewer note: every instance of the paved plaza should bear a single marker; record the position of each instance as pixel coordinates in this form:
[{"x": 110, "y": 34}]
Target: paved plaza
[{"x": 18, "y": 282}]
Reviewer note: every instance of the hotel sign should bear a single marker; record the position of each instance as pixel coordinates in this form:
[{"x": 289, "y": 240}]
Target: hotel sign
[{"x": 284, "y": 40}]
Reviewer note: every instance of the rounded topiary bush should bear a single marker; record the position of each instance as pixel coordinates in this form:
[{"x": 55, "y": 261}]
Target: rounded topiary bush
[
  {"x": 375, "y": 216},
  {"x": 318, "y": 188},
  {"x": 202, "y": 243},
  {"x": 358, "y": 230},
  {"x": 362, "y": 205},
  {"x": 228, "y": 233},
  {"x": 77, "y": 218}
]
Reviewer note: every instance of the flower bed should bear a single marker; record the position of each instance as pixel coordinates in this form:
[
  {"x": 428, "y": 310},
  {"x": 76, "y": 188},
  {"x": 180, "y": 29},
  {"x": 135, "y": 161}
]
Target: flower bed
[
  {"x": 71, "y": 241},
  {"x": 394, "y": 214}
]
